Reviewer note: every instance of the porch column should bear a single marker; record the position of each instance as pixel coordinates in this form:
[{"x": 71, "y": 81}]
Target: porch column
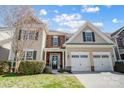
[{"x": 63, "y": 60}]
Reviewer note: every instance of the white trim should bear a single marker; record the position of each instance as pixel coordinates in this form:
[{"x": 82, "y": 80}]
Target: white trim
[
  {"x": 114, "y": 54},
  {"x": 28, "y": 49},
  {"x": 50, "y": 60},
  {"x": 90, "y": 46},
  {"x": 117, "y": 48},
  {"x": 54, "y": 49},
  {"x": 63, "y": 60},
  {"x": 118, "y": 32},
  {"x": 95, "y": 29}
]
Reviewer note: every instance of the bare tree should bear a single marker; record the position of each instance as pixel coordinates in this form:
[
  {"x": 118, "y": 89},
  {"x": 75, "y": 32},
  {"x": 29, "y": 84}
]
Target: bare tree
[{"x": 19, "y": 17}]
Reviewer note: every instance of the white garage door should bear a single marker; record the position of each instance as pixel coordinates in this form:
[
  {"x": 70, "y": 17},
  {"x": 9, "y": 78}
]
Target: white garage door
[
  {"x": 102, "y": 61},
  {"x": 80, "y": 61}
]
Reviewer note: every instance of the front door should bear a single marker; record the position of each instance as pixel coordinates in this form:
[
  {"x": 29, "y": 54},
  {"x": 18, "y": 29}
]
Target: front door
[{"x": 55, "y": 61}]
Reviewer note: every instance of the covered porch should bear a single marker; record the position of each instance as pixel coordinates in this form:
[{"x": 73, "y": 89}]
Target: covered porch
[{"x": 55, "y": 57}]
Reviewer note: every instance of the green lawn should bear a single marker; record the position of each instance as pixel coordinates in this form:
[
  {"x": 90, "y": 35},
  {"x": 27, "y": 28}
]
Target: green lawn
[{"x": 41, "y": 81}]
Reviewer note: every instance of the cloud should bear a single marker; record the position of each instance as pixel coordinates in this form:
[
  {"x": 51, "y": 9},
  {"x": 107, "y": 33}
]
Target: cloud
[
  {"x": 67, "y": 30},
  {"x": 56, "y": 11},
  {"x": 98, "y": 24},
  {"x": 43, "y": 12},
  {"x": 73, "y": 24},
  {"x": 108, "y": 6},
  {"x": 66, "y": 17},
  {"x": 115, "y": 20},
  {"x": 90, "y": 9},
  {"x": 69, "y": 22}
]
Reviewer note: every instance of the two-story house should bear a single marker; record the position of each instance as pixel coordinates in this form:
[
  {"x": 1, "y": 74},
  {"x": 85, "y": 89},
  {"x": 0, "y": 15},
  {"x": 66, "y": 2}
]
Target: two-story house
[
  {"x": 30, "y": 35},
  {"x": 88, "y": 49},
  {"x": 118, "y": 38}
]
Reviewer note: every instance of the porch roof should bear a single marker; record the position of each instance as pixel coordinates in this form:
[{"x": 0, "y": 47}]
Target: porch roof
[{"x": 54, "y": 49}]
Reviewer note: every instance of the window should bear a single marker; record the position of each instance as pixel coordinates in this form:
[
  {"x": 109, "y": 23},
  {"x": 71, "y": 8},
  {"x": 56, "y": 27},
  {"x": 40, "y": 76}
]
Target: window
[
  {"x": 55, "y": 40},
  {"x": 105, "y": 56},
  {"x": 29, "y": 55},
  {"x": 31, "y": 35},
  {"x": 83, "y": 56},
  {"x": 96, "y": 56},
  {"x": 88, "y": 36},
  {"x": 75, "y": 56}
]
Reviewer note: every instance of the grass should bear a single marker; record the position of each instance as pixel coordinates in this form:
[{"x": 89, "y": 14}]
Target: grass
[{"x": 40, "y": 81}]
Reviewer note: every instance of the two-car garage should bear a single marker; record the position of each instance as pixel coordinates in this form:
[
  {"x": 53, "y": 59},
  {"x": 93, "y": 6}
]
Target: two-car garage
[{"x": 82, "y": 61}]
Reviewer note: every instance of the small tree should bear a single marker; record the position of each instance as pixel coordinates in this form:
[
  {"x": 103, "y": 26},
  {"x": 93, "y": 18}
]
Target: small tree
[{"x": 18, "y": 17}]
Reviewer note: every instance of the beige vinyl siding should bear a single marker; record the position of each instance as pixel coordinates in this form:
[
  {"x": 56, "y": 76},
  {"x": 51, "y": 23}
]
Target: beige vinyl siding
[
  {"x": 90, "y": 50},
  {"x": 79, "y": 37},
  {"x": 4, "y": 53}
]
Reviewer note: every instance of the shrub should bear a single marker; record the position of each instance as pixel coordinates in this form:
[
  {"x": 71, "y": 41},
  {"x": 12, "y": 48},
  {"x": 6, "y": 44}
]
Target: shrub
[
  {"x": 48, "y": 70},
  {"x": 119, "y": 66},
  {"x": 61, "y": 70},
  {"x": 4, "y": 67},
  {"x": 31, "y": 67}
]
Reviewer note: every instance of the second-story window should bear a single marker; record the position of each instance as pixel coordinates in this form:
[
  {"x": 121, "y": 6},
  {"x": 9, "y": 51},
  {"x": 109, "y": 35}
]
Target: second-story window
[
  {"x": 88, "y": 37},
  {"x": 55, "y": 41},
  {"x": 30, "y": 35}
]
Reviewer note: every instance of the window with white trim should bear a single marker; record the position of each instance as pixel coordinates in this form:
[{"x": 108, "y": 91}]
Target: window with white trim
[
  {"x": 30, "y": 35},
  {"x": 75, "y": 56},
  {"x": 88, "y": 37},
  {"x": 29, "y": 55},
  {"x": 55, "y": 41}
]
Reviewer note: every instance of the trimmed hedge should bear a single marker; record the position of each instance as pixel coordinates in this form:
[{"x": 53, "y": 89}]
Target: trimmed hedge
[
  {"x": 31, "y": 67},
  {"x": 4, "y": 67},
  {"x": 119, "y": 66}
]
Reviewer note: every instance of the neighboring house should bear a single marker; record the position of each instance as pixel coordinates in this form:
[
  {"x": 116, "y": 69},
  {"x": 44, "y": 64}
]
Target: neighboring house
[
  {"x": 5, "y": 42},
  {"x": 118, "y": 38},
  {"x": 86, "y": 50}
]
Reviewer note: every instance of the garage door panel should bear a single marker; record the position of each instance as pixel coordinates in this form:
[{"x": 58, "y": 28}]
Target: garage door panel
[
  {"x": 102, "y": 61},
  {"x": 80, "y": 61}
]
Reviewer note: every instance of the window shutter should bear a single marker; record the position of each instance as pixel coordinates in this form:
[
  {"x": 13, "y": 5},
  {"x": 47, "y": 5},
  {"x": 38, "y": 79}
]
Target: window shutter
[
  {"x": 93, "y": 36},
  {"x": 59, "y": 41},
  {"x": 36, "y": 37},
  {"x": 84, "y": 37},
  {"x": 19, "y": 35},
  {"x": 34, "y": 55},
  {"x": 52, "y": 41}
]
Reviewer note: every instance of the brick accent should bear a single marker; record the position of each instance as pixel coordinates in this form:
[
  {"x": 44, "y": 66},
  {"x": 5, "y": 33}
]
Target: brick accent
[
  {"x": 48, "y": 57},
  {"x": 49, "y": 41}
]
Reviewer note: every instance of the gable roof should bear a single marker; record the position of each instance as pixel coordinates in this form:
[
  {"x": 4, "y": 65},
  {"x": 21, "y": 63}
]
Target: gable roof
[
  {"x": 27, "y": 16},
  {"x": 95, "y": 29},
  {"x": 117, "y": 32}
]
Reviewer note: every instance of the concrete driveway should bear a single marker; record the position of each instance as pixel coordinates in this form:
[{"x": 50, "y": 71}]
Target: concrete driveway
[{"x": 101, "y": 79}]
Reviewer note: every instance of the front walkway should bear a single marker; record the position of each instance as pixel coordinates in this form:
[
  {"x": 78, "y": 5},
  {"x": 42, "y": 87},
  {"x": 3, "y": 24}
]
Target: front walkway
[{"x": 101, "y": 79}]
